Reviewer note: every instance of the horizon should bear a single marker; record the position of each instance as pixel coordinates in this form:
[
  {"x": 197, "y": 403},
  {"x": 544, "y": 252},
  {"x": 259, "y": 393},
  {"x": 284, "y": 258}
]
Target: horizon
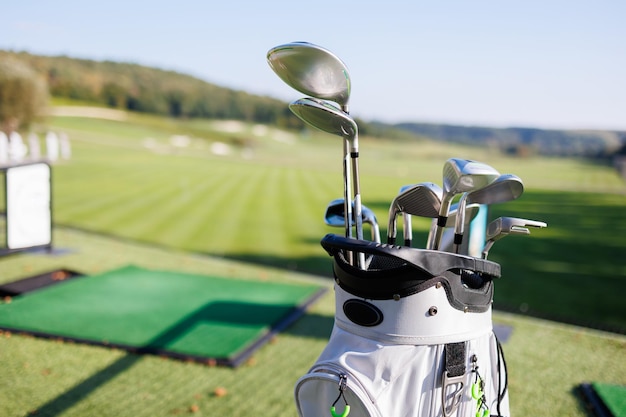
[{"x": 547, "y": 66}]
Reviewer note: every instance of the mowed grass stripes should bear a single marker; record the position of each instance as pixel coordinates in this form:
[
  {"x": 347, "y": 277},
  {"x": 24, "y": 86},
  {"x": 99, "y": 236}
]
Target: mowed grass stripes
[{"x": 268, "y": 208}]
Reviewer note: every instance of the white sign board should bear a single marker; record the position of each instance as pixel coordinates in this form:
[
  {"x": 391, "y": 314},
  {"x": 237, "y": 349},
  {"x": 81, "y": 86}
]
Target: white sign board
[{"x": 29, "y": 214}]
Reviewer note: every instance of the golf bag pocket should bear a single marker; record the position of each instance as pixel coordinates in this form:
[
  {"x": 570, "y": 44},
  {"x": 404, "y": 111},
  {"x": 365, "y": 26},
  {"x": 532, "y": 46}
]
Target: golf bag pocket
[
  {"x": 357, "y": 376},
  {"x": 330, "y": 390}
]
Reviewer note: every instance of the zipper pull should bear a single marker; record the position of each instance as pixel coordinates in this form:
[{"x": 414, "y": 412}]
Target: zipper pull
[{"x": 343, "y": 383}]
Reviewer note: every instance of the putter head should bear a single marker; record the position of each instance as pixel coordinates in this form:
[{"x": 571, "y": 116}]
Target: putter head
[
  {"x": 324, "y": 116},
  {"x": 503, "y": 226},
  {"x": 311, "y": 70}
]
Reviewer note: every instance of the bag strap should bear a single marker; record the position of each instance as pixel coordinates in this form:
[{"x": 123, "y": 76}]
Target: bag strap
[{"x": 454, "y": 376}]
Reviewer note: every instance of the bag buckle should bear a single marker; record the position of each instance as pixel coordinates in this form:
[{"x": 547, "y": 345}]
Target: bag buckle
[{"x": 455, "y": 385}]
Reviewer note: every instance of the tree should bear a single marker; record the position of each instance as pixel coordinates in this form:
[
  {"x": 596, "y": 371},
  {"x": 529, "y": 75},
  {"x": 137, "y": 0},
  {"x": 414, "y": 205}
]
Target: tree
[{"x": 23, "y": 95}]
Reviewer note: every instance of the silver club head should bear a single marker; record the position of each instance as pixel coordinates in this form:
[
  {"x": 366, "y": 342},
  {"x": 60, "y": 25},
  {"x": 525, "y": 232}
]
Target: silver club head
[
  {"x": 331, "y": 119},
  {"x": 504, "y": 226},
  {"x": 312, "y": 70},
  {"x": 324, "y": 116},
  {"x": 335, "y": 217},
  {"x": 506, "y": 187},
  {"x": 460, "y": 176},
  {"x": 423, "y": 199}
]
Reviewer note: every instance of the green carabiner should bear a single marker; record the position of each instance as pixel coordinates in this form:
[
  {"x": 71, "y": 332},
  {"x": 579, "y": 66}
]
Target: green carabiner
[
  {"x": 484, "y": 413},
  {"x": 477, "y": 391},
  {"x": 346, "y": 411}
]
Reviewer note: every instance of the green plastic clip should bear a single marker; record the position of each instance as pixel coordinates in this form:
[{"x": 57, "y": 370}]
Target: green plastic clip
[
  {"x": 346, "y": 411},
  {"x": 477, "y": 391}
]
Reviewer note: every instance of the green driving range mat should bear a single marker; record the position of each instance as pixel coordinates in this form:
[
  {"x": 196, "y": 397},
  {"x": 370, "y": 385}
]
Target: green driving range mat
[
  {"x": 193, "y": 317},
  {"x": 604, "y": 400},
  {"x": 613, "y": 397}
]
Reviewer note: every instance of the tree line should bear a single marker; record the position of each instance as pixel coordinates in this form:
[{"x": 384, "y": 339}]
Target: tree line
[
  {"x": 134, "y": 87},
  {"x": 138, "y": 88}
]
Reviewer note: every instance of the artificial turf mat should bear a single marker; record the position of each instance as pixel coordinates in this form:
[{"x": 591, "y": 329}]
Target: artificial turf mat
[
  {"x": 604, "y": 400},
  {"x": 187, "y": 316}
]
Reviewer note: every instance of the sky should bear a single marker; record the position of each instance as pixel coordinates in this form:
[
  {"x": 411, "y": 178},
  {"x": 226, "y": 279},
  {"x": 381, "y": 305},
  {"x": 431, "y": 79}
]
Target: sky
[{"x": 532, "y": 63}]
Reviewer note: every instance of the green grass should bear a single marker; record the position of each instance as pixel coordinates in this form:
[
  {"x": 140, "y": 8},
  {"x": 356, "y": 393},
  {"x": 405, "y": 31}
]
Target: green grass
[
  {"x": 261, "y": 217},
  {"x": 546, "y": 361},
  {"x": 126, "y": 179}
]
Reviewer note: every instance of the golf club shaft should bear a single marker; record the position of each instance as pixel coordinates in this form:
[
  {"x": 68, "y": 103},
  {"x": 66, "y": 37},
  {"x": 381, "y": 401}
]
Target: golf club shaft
[
  {"x": 459, "y": 224},
  {"x": 358, "y": 215},
  {"x": 347, "y": 196}
]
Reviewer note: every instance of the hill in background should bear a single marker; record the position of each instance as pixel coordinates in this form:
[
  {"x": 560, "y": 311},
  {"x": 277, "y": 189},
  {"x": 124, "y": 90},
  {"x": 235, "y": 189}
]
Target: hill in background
[{"x": 138, "y": 88}]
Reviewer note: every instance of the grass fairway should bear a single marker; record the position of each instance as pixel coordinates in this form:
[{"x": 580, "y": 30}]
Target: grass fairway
[
  {"x": 264, "y": 202},
  {"x": 546, "y": 361},
  {"x": 130, "y": 196}
]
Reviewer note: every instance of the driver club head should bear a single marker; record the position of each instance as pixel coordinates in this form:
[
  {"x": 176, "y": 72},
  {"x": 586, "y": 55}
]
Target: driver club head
[{"x": 312, "y": 70}]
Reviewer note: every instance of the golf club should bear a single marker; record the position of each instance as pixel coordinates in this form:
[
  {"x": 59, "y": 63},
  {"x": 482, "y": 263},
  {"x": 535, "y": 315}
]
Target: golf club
[
  {"x": 316, "y": 71},
  {"x": 471, "y": 210},
  {"x": 329, "y": 118},
  {"x": 335, "y": 217},
  {"x": 423, "y": 199},
  {"x": 459, "y": 176},
  {"x": 312, "y": 70},
  {"x": 506, "y": 187},
  {"x": 504, "y": 226}
]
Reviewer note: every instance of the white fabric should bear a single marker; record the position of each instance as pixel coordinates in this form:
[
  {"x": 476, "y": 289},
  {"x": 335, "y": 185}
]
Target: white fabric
[
  {"x": 394, "y": 380},
  {"x": 407, "y": 320}
]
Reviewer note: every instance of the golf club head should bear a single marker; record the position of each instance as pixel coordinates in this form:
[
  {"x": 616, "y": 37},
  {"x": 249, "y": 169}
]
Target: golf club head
[
  {"x": 464, "y": 175},
  {"x": 423, "y": 199},
  {"x": 335, "y": 217},
  {"x": 504, "y": 226},
  {"x": 312, "y": 70},
  {"x": 460, "y": 176},
  {"x": 324, "y": 116},
  {"x": 506, "y": 187}
]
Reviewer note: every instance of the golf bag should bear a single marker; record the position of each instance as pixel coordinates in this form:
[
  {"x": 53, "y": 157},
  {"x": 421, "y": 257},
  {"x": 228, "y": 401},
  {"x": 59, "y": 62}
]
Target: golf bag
[{"x": 412, "y": 337}]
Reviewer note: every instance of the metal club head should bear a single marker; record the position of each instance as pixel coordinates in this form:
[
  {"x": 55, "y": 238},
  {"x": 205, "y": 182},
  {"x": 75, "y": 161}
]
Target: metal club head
[
  {"x": 506, "y": 187},
  {"x": 312, "y": 70},
  {"x": 460, "y": 176},
  {"x": 504, "y": 226},
  {"x": 423, "y": 199},
  {"x": 464, "y": 175},
  {"x": 335, "y": 217},
  {"x": 325, "y": 116}
]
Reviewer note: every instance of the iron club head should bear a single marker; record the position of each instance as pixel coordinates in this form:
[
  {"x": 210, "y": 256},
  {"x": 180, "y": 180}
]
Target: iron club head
[
  {"x": 423, "y": 199},
  {"x": 335, "y": 217},
  {"x": 506, "y": 187}
]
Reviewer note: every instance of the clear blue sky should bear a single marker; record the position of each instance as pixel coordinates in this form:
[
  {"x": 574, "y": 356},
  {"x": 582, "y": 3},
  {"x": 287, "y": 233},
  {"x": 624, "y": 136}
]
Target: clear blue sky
[{"x": 541, "y": 63}]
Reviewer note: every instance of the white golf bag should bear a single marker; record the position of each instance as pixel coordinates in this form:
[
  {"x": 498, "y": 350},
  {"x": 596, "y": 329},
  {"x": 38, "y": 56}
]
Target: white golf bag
[{"x": 412, "y": 337}]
